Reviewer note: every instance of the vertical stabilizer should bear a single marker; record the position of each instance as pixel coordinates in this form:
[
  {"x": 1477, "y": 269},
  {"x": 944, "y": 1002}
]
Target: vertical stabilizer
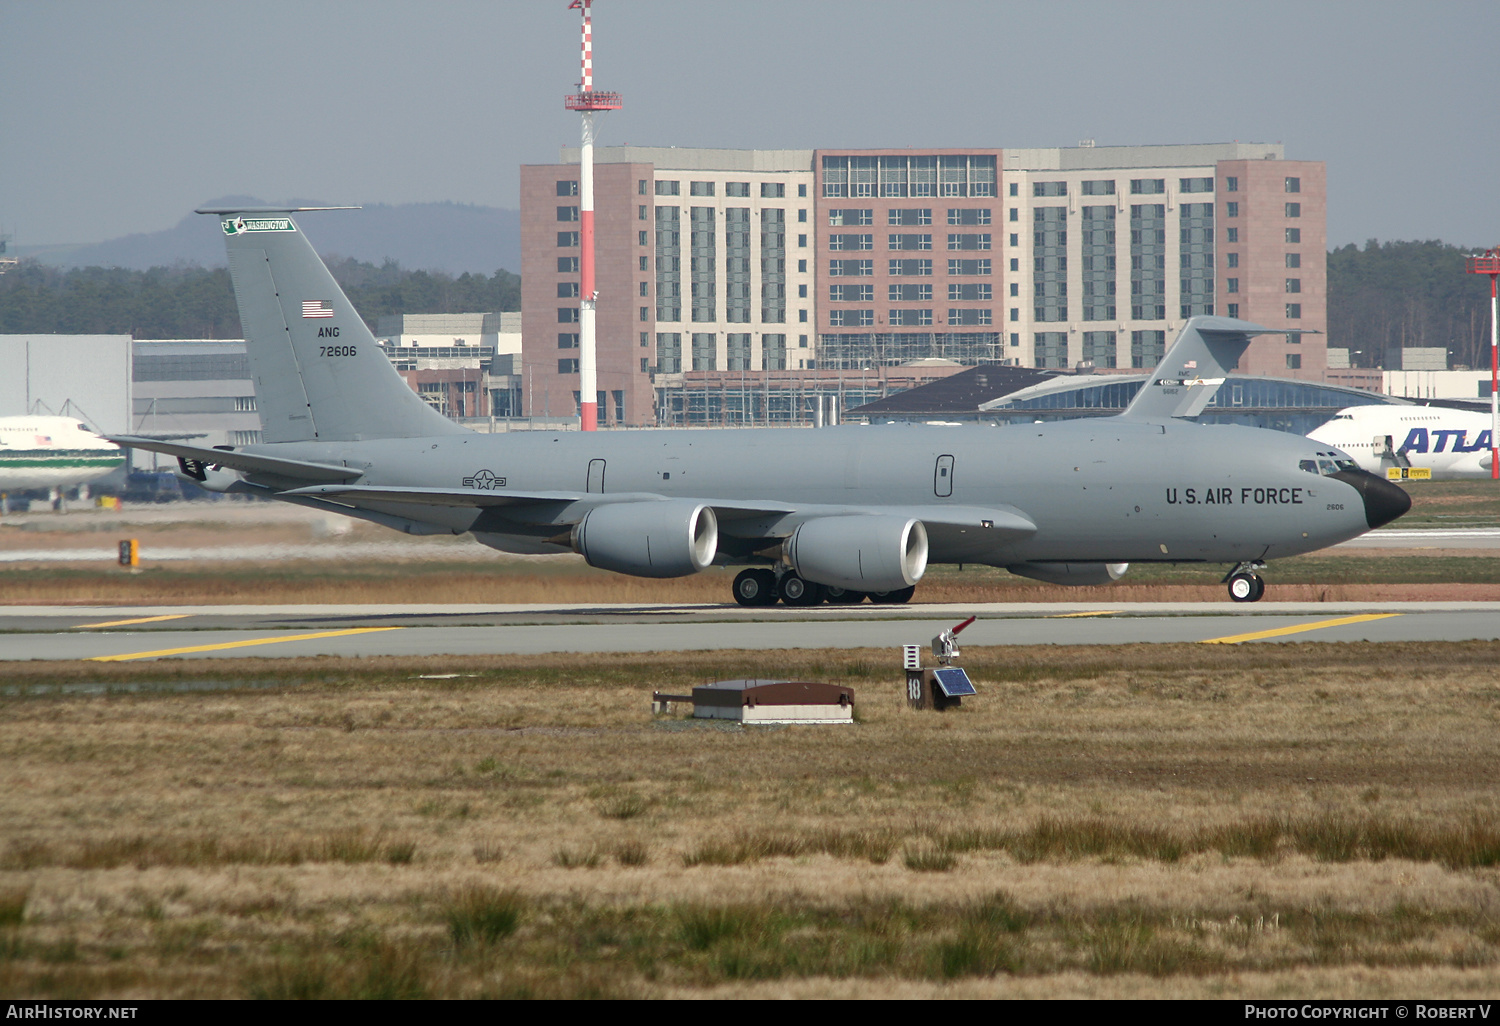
[
  {"x": 1193, "y": 368},
  {"x": 319, "y": 376}
]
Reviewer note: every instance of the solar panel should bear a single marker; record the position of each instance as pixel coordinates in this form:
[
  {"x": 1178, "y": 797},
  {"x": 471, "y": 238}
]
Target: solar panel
[{"x": 954, "y": 682}]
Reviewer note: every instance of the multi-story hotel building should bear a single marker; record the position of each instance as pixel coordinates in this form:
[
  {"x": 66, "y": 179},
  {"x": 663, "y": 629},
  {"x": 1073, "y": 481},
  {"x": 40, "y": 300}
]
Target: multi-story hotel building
[{"x": 740, "y": 275}]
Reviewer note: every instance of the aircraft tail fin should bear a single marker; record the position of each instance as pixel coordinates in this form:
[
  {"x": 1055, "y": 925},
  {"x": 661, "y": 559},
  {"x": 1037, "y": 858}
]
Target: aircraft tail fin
[
  {"x": 1193, "y": 368},
  {"x": 318, "y": 373}
]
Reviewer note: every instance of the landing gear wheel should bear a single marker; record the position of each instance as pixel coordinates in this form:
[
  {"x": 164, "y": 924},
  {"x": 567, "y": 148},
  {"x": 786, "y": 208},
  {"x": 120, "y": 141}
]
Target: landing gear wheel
[
  {"x": 843, "y": 597},
  {"x": 1246, "y": 587},
  {"x": 755, "y": 587},
  {"x": 798, "y": 592},
  {"x": 900, "y": 596}
]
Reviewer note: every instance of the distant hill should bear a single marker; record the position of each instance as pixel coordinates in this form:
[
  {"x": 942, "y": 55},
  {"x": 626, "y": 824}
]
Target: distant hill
[{"x": 451, "y": 237}]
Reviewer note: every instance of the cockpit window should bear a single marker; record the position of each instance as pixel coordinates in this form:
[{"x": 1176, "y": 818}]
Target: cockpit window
[
  {"x": 1327, "y": 467},
  {"x": 1326, "y": 464},
  {"x": 1311, "y": 466}
]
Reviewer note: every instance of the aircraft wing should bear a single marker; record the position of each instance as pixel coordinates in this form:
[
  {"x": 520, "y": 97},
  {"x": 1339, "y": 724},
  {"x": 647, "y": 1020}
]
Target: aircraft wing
[{"x": 247, "y": 462}]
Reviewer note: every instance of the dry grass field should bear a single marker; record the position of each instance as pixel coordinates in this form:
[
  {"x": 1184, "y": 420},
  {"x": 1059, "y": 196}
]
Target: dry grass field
[{"x": 1210, "y": 821}]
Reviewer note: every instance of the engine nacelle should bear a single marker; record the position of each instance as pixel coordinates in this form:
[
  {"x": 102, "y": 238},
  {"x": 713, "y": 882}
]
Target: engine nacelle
[
  {"x": 1076, "y": 574},
  {"x": 649, "y": 539},
  {"x": 859, "y": 553}
]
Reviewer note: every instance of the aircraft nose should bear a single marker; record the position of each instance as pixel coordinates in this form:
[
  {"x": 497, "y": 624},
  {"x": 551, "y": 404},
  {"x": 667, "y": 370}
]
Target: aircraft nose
[{"x": 1383, "y": 501}]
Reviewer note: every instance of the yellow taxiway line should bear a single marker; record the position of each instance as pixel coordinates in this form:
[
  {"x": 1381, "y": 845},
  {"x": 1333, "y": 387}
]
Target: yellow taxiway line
[
  {"x": 1280, "y": 632},
  {"x": 236, "y": 644},
  {"x": 1092, "y": 612},
  {"x": 124, "y": 623}
]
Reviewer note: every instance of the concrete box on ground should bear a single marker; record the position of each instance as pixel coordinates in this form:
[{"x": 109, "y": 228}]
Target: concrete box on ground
[{"x": 774, "y": 701}]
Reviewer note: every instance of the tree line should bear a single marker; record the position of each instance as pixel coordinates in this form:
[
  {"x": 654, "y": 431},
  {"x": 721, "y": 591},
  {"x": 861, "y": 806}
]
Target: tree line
[
  {"x": 1381, "y": 298},
  {"x": 197, "y": 302},
  {"x": 1390, "y": 295}
]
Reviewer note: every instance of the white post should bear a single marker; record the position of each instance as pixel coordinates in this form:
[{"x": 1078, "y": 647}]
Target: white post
[{"x": 588, "y": 386}]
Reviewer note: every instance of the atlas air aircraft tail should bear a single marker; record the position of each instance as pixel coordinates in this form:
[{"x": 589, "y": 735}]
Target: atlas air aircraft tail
[{"x": 319, "y": 376}]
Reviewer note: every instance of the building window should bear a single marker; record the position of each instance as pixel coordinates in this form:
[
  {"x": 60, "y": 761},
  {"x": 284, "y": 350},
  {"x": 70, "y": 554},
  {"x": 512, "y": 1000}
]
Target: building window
[
  {"x": 567, "y": 366},
  {"x": 1015, "y": 264},
  {"x": 1231, "y": 285},
  {"x": 851, "y": 293},
  {"x": 968, "y": 267},
  {"x": 645, "y": 314},
  {"x": 1015, "y": 189},
  {"x": 969, "y": 240},
  {"x": 802, "y": 215},
  {"x": 1014, "y": 215},
  {"x": 851, "y": 268},
  {"x": 571, "y": 188},
  {"x": 668, "y": 263},
  {"x": 772, "y": 352},
  {"x": 1294, "y": 210},
  {"x": 910, "y": 318},
  {"x": 1232, "y": 260},
  {"x": 567, "y": 315},
  {"x": 1231, "y": 184},
  {"x": 705, "y": 351},
  {"x": 1293, "y": 185},
  {"x": 1294, "y": 284},
  {"x": 567, "y": 340},
  {"x": 567, "y": 213},
  {"x": 909, "y": 217},
  {"x": 802, "y": 191},
  {"x": 772, "y": 190},
  {"x": 567, "y": 240},
  {"x": 1099, "y": 188},
  {"x": 1148, "y": 187},
  {"x": 912, "y": 241},
  {"x": 1147, "y": 347},
  {"x": 739, "y": 189},
  {"x": 567, "y": 265},
  {"x": 854, "y": 242},
  {"x": 1294, "y": 259},
  {"x": 1293, "y": 361},
  {"x": 1015, "y": 314},
  {"x": 567, "y": 290},
  {"x": 1015, "y": 340},
  {"x": 1015, "y": 240},
  {"x": 972, "y": 292},
  {"x": 801, "y": 266},
  {"x": 801, "y": 291},
  {"x": 1294, "y": 311},
  {"x": 1294, "y": 236},
  {"x": 668, "y": 188},
  {"x": 840, "y": 217},
  {"x": 737, "y": 351},
  {"x": 668, "y": 352},
  {"x": 910, "y": 269},
  {"x": 1231, "y": 235},
  {"x": 642, "y": 239},
  {"x": 909, "y": 293},
  {"x": 968, "y": 316},
  {"x": 645, "y": 264},
  {"x": 1195, "y": 184},
  {"x": 851, "y": 318},
  {"x": 1049, "y": 188},
  {"x": 700, "y": 188},
  {"x": 1232, "y": 209},
  {"x": 802, "y": 242},
  {"x": 645, "y": 340},
  {"x": 1015, "y": 288},
  {"x": 1234, "y": 309},
  {"x": 645, "y": 288},
  {"x": 645, "y": 365}
]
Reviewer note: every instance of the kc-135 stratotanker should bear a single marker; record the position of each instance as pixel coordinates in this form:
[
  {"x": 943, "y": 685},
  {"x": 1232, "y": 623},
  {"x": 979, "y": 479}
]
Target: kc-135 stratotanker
[{"x": 837, "y": 514}]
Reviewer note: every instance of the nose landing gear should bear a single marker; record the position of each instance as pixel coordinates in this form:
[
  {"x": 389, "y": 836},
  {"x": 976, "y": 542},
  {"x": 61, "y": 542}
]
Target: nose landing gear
[{"x": 1245, "y": 585}]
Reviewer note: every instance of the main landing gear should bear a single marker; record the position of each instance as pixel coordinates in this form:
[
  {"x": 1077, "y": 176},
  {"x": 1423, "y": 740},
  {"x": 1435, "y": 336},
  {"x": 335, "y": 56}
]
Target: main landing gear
[
  {"x": 1245, "y": 585},
  {"x": 760, "y": 586}
]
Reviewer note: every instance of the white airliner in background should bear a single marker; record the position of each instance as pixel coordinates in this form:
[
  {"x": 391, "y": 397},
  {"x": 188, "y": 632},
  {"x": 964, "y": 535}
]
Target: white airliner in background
[
  {"x": 52, "y": 452},
  {"x": 1452, "y": 444}
]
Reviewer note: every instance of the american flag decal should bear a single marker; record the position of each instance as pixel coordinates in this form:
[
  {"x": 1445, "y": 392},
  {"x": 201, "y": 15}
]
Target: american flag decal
[
  {"x": 1190, "y": 365},
  {"x": 317, "y": 308}
]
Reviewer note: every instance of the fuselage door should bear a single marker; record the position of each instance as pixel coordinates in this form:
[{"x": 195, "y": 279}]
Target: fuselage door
[
  {"x": 596, "y": 476},
  {"x": 942, "y": 477}
]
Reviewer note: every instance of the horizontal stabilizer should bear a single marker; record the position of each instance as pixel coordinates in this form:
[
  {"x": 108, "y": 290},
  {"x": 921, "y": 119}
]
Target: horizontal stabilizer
[
  {"x": 1193, "y": 368},
  {"x": 242, "y": 461}
]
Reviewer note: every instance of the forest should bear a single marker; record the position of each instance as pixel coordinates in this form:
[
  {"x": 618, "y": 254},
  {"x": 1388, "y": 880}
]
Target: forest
[{"x": 1381, "y": 297}]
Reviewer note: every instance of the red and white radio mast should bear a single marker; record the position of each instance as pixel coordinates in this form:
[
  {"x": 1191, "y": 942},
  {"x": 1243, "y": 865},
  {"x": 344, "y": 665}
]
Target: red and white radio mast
[
  {"x": 586, "y": 101},
  {"x": 1488, "y": 263}
]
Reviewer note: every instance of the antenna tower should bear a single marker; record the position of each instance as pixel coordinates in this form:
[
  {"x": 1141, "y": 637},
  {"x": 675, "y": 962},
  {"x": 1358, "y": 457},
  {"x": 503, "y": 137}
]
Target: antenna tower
[{"x": 586, "y": 101}]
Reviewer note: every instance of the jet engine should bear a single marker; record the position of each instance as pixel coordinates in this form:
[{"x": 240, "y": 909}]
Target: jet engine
[
  {"x": 1070, "y": 573},
  {"x": 649, "y": 539},
  {"x": 859, "y": 553}
]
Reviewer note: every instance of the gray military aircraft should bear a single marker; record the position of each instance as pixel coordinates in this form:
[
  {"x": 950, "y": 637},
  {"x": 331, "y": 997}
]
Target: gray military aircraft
[{"x": 837, "y": 514}]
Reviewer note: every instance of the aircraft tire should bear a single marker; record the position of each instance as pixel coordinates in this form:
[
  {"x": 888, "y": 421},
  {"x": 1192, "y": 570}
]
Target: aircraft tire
[
  {"x": 1246, "y": 587},
  {"x": 843, "y": 597},
  {"x": 899, "y": 597},
  {"x": 795, "y": 591},
  {"x": 755, "y": 587}
]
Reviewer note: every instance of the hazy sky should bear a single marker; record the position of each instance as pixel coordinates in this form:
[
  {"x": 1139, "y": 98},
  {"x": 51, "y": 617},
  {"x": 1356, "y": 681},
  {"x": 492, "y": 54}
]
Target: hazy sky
[{"x": 119, "y": 116}]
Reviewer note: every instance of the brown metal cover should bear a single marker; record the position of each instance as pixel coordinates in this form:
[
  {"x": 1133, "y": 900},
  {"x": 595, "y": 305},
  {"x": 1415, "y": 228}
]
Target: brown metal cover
[{"x": 772, "y": 692}]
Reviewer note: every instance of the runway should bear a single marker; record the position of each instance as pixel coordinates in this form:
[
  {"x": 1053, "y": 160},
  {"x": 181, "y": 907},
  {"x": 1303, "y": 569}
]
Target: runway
[{"x": 117, "y": 634}]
